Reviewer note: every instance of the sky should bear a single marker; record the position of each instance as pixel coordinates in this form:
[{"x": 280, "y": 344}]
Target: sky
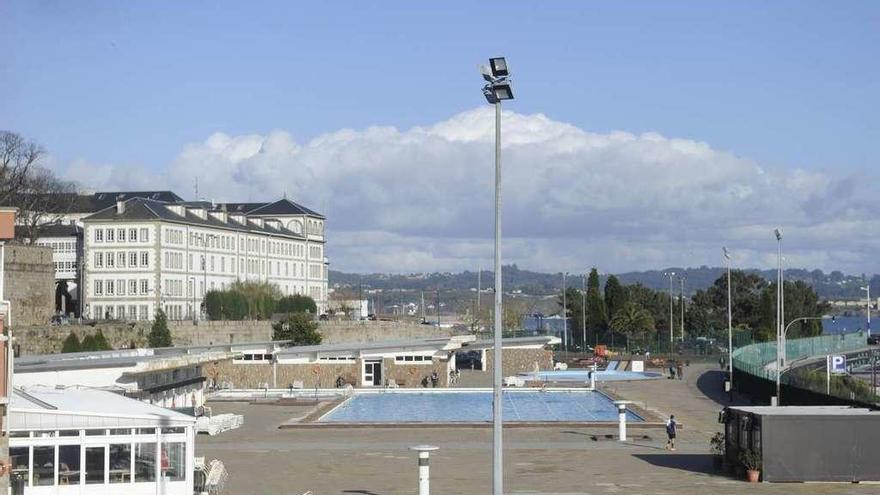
[{"x": 643, "y": 134}]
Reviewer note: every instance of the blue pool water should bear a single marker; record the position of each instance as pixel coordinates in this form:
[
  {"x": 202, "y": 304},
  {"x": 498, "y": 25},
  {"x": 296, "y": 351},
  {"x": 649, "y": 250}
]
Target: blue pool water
[
  {"x": 582, "y": 375},
  {"x": 439, "y": 407}
]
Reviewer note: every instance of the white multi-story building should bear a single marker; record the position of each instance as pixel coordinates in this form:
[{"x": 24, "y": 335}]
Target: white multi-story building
[{"x": 142, "y": 254}]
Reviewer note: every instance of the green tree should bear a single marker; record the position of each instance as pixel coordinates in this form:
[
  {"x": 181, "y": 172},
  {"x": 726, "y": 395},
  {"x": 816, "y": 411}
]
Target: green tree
[
  {"x": 297, "y": 303},
  {"x": 298, "y": 328},
  {"x": 159, "y": 335},
  {"x": 101, "y": 343},
  {"x": 597, "y": 321},
  {"x": 260, "y": 296},
  {"x": 634, "y": 322},
  {"x": 71, "y": 344},
  {"x": 574, "y": 301},
  {"x": 615, "y": 296},
  {"x": 214, "y": 305},
  {"x": 88, "y": 344},
  {"x": 235, "y": 305}
]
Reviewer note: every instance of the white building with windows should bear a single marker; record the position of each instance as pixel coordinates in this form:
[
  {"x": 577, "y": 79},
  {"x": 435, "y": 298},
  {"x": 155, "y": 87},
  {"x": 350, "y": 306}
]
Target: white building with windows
[{"x": 142, "y": 254}]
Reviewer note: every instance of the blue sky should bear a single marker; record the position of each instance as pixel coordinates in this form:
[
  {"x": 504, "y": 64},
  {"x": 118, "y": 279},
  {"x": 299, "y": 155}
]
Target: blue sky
[{"x": 131, "y": 85}]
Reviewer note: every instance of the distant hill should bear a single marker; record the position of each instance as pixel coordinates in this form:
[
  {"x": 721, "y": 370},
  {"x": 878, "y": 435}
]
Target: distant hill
[{"x": 834, "y": 285}]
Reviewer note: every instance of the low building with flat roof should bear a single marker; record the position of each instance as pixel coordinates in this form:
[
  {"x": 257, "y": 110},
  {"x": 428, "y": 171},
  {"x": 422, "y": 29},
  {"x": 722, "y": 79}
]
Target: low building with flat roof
[{"x": 79, "y": 440}]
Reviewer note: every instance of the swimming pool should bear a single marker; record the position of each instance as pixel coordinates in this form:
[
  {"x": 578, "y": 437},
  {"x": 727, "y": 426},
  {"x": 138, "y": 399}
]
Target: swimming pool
[
  {"x": 582, "y": 375},
  {"x": 453, "y": 407}
]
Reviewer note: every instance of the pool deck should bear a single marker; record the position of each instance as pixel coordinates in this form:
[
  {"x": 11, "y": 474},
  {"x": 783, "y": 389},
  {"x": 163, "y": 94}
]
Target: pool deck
[{"x": 560, "y": 460}]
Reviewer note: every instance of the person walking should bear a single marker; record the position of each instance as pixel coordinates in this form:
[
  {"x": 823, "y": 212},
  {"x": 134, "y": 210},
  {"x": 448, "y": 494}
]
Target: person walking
[
  {"x": 671, "y": 426},
  {"x": 679, "y": 370}
]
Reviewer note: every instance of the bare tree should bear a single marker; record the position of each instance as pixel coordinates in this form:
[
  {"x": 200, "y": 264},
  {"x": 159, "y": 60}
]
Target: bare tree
[
  {"x": 40, "y": 196},
  {"x": 43, "y": 198},
  {"x": 17, "y": 157}
]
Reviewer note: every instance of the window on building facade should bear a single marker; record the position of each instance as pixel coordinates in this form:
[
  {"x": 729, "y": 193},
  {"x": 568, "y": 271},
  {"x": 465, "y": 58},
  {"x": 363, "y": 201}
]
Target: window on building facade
[
  {"x": 132, "y": 259},
  {"x": 132, "y": 235},
  {"x": 111, "y": 235},
  {"x": 111, "y": 260},
  {"x": 120, "y": 287},
  {"x": 120, "y": 235},
  {"x": 144, "y": 312},
  {"x": 120, "y": 259},
  {"x": 145, "y": 286},
  {"x": 110, "y": 287},
  {"x": 99, "y": 260},
  {"x": 144, "y": 235},
  {"x": 99, "y": 235},
  {"x": 132, "y": 287},
  {"x": 145, "y": 258},
  {"x": 99, "y": 287}
]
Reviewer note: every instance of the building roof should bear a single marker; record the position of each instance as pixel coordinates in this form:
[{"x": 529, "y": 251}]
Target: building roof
[
  {"x": 148, "y": 359},
  {"x": 147, "y": 209},
  {"x": 55, "y": 229},
  {"x": 284, "y": 207},
  {"x": 49, "y": 408},
  {"x": 539, "y": 340},
  {"x": 438, "y": 343},
  {"x": 806, "y": 411}
]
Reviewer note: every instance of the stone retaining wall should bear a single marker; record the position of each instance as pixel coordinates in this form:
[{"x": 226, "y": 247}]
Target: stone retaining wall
[
  {"x": 520, "y": 360},
  {"x": 29, "y": 283}
]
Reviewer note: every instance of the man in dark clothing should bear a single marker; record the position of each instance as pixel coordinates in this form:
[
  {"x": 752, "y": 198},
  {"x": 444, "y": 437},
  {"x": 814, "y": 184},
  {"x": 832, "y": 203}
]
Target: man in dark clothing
[
  {"x": 434, "y": 379},
  {"x": 671, "y": 426}
]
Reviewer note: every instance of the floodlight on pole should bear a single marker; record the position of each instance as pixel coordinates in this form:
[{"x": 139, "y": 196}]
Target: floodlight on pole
[
  {"x": 497, "y": 90},
  {"x": 867, "y": 288},
  {"x": 729, "y": 322}
]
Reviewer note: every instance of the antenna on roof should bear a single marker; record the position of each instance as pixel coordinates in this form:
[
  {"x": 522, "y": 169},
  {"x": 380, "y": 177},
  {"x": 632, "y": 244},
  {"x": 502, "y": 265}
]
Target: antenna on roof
[{"x": 197, "y": 188}]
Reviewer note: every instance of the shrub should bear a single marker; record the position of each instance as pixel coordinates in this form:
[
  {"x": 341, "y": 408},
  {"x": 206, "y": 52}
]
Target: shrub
[
  {"x": 298, "y": 328},
  {"x": 297, "y": 303},
  {"x": 71, "y": 344},
  {"x": 159, "y": 335}
]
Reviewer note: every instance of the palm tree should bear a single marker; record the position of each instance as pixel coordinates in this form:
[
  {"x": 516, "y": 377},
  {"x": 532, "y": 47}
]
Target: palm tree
[{"x": 632, "y": 321}]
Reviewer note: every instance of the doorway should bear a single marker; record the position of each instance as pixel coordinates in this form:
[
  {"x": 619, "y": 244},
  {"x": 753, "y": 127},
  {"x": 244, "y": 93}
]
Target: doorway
[{"x": 372, "y": 373}]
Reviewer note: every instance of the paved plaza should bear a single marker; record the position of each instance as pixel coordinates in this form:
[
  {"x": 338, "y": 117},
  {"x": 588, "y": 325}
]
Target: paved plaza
[{"x": 262, "y": 459}]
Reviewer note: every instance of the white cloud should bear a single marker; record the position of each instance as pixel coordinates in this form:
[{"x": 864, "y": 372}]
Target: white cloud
[{"x": 421, "y": 199}]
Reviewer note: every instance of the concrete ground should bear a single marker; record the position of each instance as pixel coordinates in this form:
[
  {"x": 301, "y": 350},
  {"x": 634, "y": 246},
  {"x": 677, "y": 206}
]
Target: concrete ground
[{"x": 262, "y": 459}]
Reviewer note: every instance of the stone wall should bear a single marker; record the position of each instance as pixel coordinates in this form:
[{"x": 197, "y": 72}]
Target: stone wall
[
  {"x": 520, "y": 360},
  {"x": 47, "y": 339},
  {"x": 29, "y": 283},
  {"x": 372, "y": 331},
  {"x": 322, "y": 375}
]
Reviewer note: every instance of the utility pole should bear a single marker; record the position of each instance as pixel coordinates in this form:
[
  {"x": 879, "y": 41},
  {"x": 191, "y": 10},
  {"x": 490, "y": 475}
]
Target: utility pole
[
  {"x": 671, "y": 275},
  {"x": 564, "y": 317},
  {"x": 729, "y": 323},
  {"x": 681, "y": 301},
  {"x": 584, "y": 316}
]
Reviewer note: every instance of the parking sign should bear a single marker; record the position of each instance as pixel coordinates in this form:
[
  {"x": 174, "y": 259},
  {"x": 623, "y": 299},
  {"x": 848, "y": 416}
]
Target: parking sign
[{"x": 838, "y": 364}]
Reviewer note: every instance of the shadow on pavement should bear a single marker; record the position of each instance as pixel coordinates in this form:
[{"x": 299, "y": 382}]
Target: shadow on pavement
[
  {"x": 695, "y": 463},
  {"x": 711, "y": 385}
]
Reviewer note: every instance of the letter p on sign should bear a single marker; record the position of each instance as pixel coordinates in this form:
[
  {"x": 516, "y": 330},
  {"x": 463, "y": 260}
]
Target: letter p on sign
[{"x": 838, "y": 364}]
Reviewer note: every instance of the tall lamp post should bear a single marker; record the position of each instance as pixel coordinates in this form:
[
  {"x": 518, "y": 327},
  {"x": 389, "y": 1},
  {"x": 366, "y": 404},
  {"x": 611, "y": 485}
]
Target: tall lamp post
[
  {"x": 867, "y": 288},
  {"x": 564, "y": 316},
  {"x": 681, "y": 301},
  {"x": 584, "y": 316},
  {"x": 496, "y": 90},
  {"x": 671, "y": 275},
  {"x": 780, "y": 313},
  {"x": 729, "y": 322},
  {"x": 779, "y": 369}
]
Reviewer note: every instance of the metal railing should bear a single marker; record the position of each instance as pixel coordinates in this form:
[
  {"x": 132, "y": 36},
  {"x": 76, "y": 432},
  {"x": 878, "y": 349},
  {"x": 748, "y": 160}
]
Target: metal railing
[{"x": 759, "y": 358}]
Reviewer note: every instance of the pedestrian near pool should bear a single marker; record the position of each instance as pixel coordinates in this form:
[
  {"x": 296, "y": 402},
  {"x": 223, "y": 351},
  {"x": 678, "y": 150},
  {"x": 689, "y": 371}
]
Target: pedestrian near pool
[
  {"x": 434, "y": 379},
  {"x": 671, "y": 426},
  {"x": 679, "y": 369}
]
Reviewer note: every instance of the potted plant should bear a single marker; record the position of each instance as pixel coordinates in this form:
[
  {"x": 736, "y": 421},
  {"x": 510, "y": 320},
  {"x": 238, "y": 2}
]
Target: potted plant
[
  {"x": 716, "y": 445},
  {"x": 751, "y": 461}
]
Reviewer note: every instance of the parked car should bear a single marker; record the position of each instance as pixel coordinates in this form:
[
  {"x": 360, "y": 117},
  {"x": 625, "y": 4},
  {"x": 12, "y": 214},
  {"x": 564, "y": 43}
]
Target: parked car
[{"x": 874, "y": 340}]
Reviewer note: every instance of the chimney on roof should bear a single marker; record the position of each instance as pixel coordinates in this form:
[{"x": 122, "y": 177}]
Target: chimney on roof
[{"x": 120, "y": 207}]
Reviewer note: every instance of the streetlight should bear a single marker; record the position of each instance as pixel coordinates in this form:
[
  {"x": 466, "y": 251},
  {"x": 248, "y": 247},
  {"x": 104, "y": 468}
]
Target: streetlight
[
  {"x": 497, "y": 90},
  {"x": 564, "y": 317},
  {"x": 584, "y": 316},
  {"x": 867, "y": 289},
  {"x": 671, "y": 275},
  {"x": 681, "y": 301},
  {"x": 779, "y": 362},
  {"x": 780, "y": 315},
  {"x": 729, "y": 322}
]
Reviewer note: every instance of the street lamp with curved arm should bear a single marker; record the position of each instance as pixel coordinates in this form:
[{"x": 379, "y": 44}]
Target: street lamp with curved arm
[{"x": 780, "y": 354}]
